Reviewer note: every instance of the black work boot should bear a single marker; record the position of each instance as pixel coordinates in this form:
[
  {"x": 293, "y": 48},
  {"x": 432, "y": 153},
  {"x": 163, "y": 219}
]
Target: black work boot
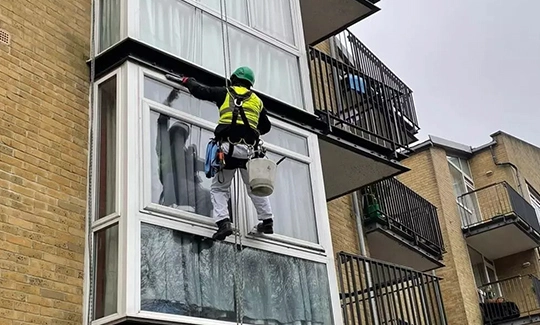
[
  {"x": 266, "y": 226},
  {"x": 224, "y": 229}
]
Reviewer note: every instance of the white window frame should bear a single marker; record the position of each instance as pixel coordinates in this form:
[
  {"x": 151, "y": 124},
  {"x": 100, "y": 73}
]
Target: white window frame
[
  {"x": 195, "y": 220},
  {"x": 131, "y": 180},
  {"x": 116, "y": 217},
  {"x": 130, "y": 22},
  {"x": 468, "y": 182}
]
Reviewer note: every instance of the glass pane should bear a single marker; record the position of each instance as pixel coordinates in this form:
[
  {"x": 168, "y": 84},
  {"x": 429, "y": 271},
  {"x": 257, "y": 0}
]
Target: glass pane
[
  {"x": 177, "y": 162},
  {"x": 170, "y": 25},
  {"x": 236, "y": 9},
  {"x": 106, "y": 272},
  {"x": 465, "y": 167},
  {"x": 169, "y": 96},
  {"x": 182, "y": 275},
  {"x": 277, "y": 73},
  {"x": 109, "y": 24},
  {"x": 264, "y": 15},
  {"x": 292, "y": 201},
  {"x": 106, "y": 149},
  {"x": 454, "y": 161},
  {"x": 535, "y": 202},
  {"x": 176, "y": 27},
  {"x": 268, "y": 62},
  {"x": 457, "y": 180},
  {"x": 287, "y": 140}
]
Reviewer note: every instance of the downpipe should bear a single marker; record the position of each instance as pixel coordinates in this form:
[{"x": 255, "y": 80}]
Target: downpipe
[{"x": 514, "y": 168}]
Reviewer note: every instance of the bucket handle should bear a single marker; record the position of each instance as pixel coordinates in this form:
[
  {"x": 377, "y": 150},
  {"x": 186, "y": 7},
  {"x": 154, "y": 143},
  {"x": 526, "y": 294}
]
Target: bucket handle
[{"x": 279, "y": 161}]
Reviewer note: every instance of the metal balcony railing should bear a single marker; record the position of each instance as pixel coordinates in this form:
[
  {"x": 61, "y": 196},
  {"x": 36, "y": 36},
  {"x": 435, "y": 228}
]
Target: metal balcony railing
[
  {"x": 374, "y": 292},
  {"x": 509, "y": 299},
  {"x": 354, "y": 91},
  {"x": 403, "y": 210},
  {"x": 492, "y": 201}
]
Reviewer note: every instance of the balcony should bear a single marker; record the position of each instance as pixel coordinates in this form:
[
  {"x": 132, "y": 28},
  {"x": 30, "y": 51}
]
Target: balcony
[
  {"x": 515, "y": 300},
  {"x": 363, "y": 105},
  {"x": 338, "y": 15},
  {"x": 498, "y": 222},
  {"x": 374, "y": 292},
  {"x": 401, "y": 226}
]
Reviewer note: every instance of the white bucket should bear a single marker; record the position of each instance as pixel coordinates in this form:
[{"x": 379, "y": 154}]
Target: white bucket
[{"x": 261, "y": 173}]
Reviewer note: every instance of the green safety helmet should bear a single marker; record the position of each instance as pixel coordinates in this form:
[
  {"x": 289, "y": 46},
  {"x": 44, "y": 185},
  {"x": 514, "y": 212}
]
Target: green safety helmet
[{"x": 245, "y": 73}]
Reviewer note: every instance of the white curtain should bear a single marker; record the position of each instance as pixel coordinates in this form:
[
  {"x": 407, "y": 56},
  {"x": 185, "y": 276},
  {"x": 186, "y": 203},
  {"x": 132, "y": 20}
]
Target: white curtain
[
  {"x": 177, "y": 27},
  {"x": 109, "y": 31},
  {"x": 235, "y": 9},
  {"x": 183, "y": 275},
  {"x": 292, "y": 201},
  {"x": 273, "y": 18}
]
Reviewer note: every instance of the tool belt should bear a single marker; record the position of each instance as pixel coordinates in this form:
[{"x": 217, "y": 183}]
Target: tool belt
[{"x": 217, "y": 160}]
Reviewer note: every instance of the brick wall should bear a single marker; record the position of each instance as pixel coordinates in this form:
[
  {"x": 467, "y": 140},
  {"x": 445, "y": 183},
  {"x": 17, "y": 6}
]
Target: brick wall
[
  {"x": 430, "y": 177},
  {"x": 43, "y": 141},
  {"x": 525, "y": 157},
  {"x": 343, "y": 225}
]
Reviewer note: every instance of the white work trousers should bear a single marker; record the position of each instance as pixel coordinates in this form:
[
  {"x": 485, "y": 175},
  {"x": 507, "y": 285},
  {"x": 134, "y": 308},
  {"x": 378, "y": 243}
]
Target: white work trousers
[{"x": 220, "y": 189}]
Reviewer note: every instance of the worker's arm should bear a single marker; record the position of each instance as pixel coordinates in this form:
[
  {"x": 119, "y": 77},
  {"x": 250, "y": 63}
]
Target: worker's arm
[
  {"x": 203, "y": 92},
  {"x": 264, "y": 122}
]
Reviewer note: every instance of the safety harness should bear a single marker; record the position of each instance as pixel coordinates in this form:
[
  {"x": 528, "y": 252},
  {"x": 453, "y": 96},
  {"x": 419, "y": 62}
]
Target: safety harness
[{"x": 215, "y": 157}]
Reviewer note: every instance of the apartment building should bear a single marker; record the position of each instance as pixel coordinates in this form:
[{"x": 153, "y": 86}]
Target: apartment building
[
  {"x": 489, "y": 208},
  {"x": 104, "y": 213}
]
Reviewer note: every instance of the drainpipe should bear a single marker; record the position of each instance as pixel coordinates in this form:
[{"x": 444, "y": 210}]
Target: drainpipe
[
  {"x": 360, "y": 232},
  {"x": 359, "y": 227},
  {"x": 514, "y": 168}
]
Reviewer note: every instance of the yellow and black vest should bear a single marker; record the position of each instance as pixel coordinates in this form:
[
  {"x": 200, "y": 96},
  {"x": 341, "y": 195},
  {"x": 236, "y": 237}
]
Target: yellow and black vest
[{"x": 252, "y": 106}]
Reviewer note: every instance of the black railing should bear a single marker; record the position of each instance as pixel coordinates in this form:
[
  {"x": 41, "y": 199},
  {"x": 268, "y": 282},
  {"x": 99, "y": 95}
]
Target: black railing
[
  {"x": 375, "y": 292},
  {"x": 495, "y": 201},
  {"x": 509, "y": 299},
  {"x": 356, "y": 92},
  {"x": 403, "y": 210}
]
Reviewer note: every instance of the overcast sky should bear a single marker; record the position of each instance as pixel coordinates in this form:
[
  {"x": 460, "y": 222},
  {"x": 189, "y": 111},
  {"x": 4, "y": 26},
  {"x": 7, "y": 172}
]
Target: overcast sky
[{"x": 473, "y": 65}]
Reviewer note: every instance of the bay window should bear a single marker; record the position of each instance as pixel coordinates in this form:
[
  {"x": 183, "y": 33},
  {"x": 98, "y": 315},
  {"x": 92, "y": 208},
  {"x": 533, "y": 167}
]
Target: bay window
[
  {"x": 264, "y": 35},
  {"x": 167, "y": 267}
]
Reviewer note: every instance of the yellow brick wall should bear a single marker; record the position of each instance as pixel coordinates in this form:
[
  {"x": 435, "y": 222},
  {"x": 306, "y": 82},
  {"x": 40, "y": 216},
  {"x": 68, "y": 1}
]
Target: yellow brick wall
[
  {"x": 343, "y": 225},
  {"x": 430, "y": 177},
  {"x": 525, "y": 157},
  {"x": 43, "y": 142}
]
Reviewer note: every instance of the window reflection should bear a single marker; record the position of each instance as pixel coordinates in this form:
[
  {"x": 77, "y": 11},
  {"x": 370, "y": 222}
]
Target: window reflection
[{"x": 178, "y": 178}]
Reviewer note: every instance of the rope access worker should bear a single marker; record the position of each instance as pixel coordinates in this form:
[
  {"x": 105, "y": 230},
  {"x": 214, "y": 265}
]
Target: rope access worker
[{"x": 242, "y": 119}]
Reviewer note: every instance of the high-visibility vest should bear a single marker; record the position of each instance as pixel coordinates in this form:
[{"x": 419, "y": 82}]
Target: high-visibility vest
[{"x": 252, "y": 106}]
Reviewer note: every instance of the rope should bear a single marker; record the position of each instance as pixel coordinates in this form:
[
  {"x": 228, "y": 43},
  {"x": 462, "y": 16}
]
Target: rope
[
  {"x": 90, "y": 211},
  {"x": 238, "y": 278}
]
